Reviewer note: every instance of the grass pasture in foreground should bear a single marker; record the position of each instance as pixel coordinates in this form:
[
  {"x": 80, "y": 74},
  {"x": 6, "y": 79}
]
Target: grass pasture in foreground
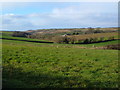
[{"x": 38, "y": 65}]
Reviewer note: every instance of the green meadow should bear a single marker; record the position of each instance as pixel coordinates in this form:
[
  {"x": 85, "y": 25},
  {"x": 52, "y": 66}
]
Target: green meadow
[{"x": 46, "y": 65}]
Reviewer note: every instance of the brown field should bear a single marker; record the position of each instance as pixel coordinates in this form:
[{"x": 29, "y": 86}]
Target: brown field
[
  {"x": 115, "y": 34},
  {"x": 51, "y": 31}
]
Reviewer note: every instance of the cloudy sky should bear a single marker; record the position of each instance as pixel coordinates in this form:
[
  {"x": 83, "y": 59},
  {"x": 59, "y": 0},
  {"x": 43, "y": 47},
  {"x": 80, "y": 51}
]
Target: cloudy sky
[{"x": 40, "y": 15}]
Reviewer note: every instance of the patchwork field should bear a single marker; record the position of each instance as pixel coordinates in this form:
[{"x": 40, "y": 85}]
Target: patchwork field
[
  {"x": 36, "y": 63},
  {"x": 115, "y": 34}
]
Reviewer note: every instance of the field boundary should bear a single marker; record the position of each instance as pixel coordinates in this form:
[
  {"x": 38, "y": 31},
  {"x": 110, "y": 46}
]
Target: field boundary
[{"x": 98, "y": 41}]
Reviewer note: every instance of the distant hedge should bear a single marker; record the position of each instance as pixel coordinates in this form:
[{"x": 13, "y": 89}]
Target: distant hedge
[
  {"x": 116, "y": 47},
  {"x": 20, "y": 34},
  {"x": 74, "y": 40}
]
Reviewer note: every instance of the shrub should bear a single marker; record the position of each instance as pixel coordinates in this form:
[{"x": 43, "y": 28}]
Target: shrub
[
  {"x": 98, "y": 31},
  {"x": 79, "y": 41},
  {"x": 101, "y": 39},
  {"x": 20, "y": 34},
  {"x": 111, "y": 38},
  {"x": 72, "y": 40},
  {"x": 95, "y": 39},
  {"x": 61, "y": 39},
  {"x": 91, "y": 40},
  {"x": 41, "y": 36},
  {"x": 86, "y": 41},
  {"x": 116, "y": 46}
]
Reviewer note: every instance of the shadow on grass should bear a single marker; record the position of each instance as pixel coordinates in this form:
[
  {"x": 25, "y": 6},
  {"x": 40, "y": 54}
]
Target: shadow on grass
[
  {"x": 17, "y": 78},
  {"x": 97, "y": 41}
]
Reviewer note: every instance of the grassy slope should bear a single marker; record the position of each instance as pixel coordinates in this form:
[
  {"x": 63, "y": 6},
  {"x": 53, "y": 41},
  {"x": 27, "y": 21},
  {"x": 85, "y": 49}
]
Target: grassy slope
[
  {"x": 44, "y": 65},
  {"x": 63, "y": 45},
  {"x": 7, "y": 35}
]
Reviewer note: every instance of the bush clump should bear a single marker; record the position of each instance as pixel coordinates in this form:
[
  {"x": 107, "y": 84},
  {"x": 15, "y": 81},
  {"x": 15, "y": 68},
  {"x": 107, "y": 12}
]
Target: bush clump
[
  {"x": 115, "y": 46},
  {"x": 61, "y": 39},
  {"x": 20, "y": 34}
]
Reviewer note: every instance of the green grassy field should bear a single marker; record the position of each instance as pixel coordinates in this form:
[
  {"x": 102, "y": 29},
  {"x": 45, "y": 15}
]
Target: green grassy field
[
  {"x": 42, "y": 65},
  {"x": 21, "y": 38},
  {"x": 102, "y": 44}
]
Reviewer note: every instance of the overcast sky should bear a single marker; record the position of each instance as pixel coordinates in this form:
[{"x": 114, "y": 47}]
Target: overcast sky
[{"x": 41, "y": 15}]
